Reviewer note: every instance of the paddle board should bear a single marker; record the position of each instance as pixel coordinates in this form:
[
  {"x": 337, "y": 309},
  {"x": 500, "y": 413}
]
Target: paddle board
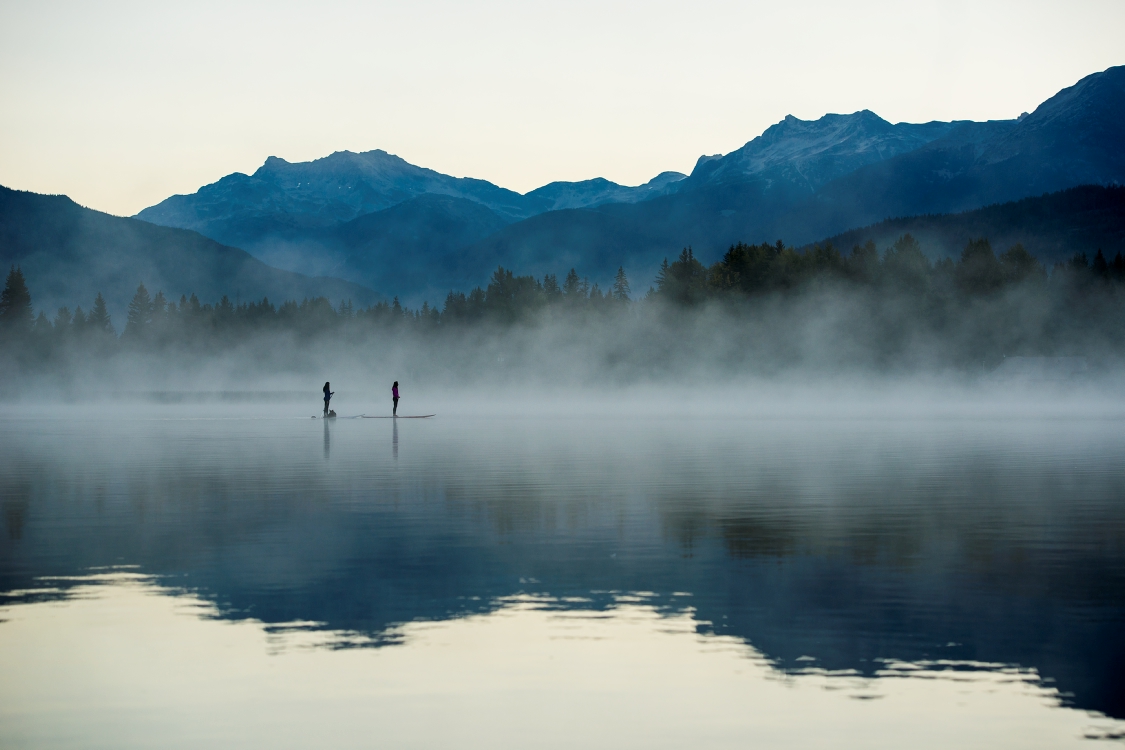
[{"x": 418, "y": 416}]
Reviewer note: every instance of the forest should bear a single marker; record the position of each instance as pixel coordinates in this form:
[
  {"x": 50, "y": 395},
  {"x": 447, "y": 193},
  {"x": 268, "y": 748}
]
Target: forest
[{"x": 760, "y": 307}]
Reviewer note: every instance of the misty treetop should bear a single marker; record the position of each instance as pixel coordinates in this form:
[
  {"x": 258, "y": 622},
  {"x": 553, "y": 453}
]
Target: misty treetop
[
  {"x": 15, "y": 303},
  {"x": 979, "y": 307},
  {"x": 752, "y": 270}
]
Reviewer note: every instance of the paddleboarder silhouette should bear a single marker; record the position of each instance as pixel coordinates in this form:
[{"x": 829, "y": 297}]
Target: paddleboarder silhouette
[{"x": 394, "y": 396}]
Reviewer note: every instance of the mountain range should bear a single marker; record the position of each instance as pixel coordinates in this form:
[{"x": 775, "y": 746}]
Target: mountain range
[
  {"x": 376, "y": 220},
  {"x": 370, "y": 225}
]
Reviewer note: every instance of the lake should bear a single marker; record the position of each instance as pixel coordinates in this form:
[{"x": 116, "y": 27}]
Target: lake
[{"x": 240, "y": 574}]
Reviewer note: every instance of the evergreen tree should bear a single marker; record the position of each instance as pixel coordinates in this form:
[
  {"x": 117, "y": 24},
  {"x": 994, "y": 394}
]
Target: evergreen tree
[
  {"x": 15, "y": 303},
  {"x": 571, "y": 285},
  {"x": 99, "y": 317},
  {"x": 664, "y": 275},
  {"x": 42, "y": 325},
  {"x": 62, "y": 319},
  {"x": 140, "y": 313},
  {"x": 621, "y": 285},
  {"x": 1101, "y": 265},
  {"x": 979, "y": 271},
  {"x": 863, "y": 264},
  {"x": 79, "y": 322},
  {"x": 907, "y": 268},
  {"x": 225, "y": 309},
  {"x": 1118, "y": 267},
  {"x": 455, "y": 306},
  {"x": 684, "y": 280},
  {"x": 159, "y": 307},
  {"x": 1018, "y": 264},
  {"x": 551, "y": 286}
]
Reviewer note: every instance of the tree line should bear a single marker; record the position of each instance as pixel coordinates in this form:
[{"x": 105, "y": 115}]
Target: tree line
[{"x": 903, "y": 292}]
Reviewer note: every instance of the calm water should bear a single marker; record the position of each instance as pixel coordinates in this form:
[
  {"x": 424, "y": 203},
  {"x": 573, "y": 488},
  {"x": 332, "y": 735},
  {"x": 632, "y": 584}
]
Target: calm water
[{"x": 559, "y": 581}]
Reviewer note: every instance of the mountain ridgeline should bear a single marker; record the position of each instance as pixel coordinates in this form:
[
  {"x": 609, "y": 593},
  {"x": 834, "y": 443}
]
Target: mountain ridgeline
[{"x": 800, "y": 180}]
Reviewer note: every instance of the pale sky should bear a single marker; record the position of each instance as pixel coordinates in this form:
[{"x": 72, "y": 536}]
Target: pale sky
[{"x": 121, "y": 104}]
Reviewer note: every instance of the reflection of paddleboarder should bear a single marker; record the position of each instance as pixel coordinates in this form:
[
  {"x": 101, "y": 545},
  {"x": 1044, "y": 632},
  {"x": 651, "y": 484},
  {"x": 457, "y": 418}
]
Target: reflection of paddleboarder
[
  {"x": 327, "y": 398},
  {"x": 394, "y": 395}
]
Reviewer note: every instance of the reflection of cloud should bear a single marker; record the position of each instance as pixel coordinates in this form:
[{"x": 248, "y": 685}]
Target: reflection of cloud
[{"x": 127, "y": 661}]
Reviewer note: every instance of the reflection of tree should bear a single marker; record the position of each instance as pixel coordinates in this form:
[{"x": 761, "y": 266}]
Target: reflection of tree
[
  {"x": 684, "y": 525},
  {"x": 995, "y": 531},
  {"x": 517, "y": 505},
  {"x": 758, "y": 537},
  {"x": 15, "y": 516},
  {"x": 846, "y": 559}
]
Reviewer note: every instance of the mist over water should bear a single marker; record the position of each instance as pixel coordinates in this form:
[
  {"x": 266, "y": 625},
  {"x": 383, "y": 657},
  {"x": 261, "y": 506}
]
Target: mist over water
[
  {"x": 600, "y": 554},
  {"x": 875, "y": 501},
  {"x": 817, "y": 319}
]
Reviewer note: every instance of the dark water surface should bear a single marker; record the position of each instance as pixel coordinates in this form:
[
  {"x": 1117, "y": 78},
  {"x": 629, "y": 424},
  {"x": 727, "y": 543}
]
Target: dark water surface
[{"x": 171, "y": 578}]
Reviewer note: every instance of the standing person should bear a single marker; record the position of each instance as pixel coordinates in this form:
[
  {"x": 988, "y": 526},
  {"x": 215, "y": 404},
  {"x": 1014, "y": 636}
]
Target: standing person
[
  {"x": 394, "y": 395},
  {"x": 327, "y": 398}
]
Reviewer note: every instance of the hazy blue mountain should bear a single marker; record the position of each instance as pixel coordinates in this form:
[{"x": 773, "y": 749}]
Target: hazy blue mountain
[
  {"x": 414, "y": 249},
  {"x": 285, "y": 200},
  {"x": 591, "y": 193},
  {"x": 69, "y": 254},
  {"x": 296, "y": 216},
  {"x": 1051, "y": 227},
  {"x": 1077, "y": 137},
  {"x": 803, "y": 155},
  {"x": 417, "y": 245},
  {"x": 799, "y": 181}
]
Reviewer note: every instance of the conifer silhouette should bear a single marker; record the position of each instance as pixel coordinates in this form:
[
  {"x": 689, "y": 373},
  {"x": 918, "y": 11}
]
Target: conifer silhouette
[
  {"x": 15, "y": 303},
  {"x": 99, "y": 317},
  {"x": 621, "y": 285},
  {"x": 140, "y": 312}
]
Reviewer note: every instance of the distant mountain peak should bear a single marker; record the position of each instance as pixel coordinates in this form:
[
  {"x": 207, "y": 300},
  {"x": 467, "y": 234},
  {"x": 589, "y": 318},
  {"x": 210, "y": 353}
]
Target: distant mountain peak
[
  {"x": 599, "y": 191},
  {"x": 1103, "y": 92},
  {"x": 805, "y": 154}
]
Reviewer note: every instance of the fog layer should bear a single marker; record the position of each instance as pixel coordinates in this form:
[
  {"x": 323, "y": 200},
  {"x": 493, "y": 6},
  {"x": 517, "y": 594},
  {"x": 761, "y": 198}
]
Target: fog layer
[{"x": 763, "y": 313}]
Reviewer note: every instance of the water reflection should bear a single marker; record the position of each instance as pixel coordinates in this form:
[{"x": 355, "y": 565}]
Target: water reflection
[
  {"x": 854, "y": 553},
  {"x": 534, "y": 668},
  {"x": 327, "y": 440}
]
